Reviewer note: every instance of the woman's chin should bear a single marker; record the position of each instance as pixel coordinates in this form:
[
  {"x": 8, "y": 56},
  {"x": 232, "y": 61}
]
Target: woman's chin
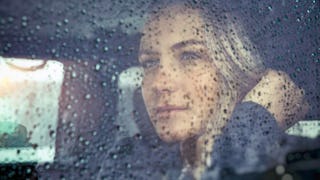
[{"x": 173, "y": 137}]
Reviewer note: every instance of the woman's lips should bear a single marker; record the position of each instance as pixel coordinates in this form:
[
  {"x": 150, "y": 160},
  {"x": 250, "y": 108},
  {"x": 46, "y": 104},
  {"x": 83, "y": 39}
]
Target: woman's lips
[{"x": 169, "y": 108}]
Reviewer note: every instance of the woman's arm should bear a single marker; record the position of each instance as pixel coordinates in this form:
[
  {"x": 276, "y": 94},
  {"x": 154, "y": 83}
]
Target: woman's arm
[{"x": 280, "y": 96}]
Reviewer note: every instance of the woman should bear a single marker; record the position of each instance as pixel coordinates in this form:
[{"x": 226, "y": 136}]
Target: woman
[{"x": 197, "y": 70}]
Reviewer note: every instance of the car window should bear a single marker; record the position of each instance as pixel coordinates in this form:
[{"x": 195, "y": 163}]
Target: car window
[{"x": 172, "y": 89}]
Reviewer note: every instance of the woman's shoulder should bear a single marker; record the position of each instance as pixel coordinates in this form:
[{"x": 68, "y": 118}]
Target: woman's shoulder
[
  {"x": 252, "y": 141},
  {"x": 278, "y": 93}
]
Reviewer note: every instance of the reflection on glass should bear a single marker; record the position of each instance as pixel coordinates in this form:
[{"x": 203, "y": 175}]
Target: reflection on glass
[
  {"x": 206, "y": 87},
  {"x": 23, "y": 65},
  {"x": 29, "y": 92}
]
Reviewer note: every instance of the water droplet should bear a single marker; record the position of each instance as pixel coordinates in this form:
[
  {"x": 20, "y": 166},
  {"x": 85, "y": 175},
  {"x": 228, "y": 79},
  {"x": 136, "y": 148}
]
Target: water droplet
[
  {"x": 24, "y": 24},
  {"x": 24, "y": 18},
  {"x": 280, "y": 169},
  {"x": 52, "y": 134},
  {"x": 94, "y": 133},
  {"x": 81, "y": 138},
  {"x": 3, "y": 21},
  {"x": 73, "y": 74},
  {"x": 10, "y": 19},
  {"x": 114, "y": 156},
  {"x": 104, "y": 84},
  {"x": 59, "y": 24},
  {"x": 128, "y": 166},
  {"x": 87, "y": 142},
  {"x": 113, "y": 78},
  {"x": 28, "y": 170},
  {"x": 98, "y": 66},
  {"x": 88, "y": 96},
  {"x": 66, "y": 21},
  {"x": 286, "y": 177}
]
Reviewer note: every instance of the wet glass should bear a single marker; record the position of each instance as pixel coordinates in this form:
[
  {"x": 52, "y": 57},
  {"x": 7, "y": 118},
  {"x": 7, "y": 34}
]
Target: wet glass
[{"x": 159, "y": 89}]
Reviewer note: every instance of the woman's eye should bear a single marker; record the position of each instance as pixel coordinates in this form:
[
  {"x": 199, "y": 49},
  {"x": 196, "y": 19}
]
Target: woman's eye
[
  {"x": 150, "y": 63},
  {"x": 189, "y": 55}
]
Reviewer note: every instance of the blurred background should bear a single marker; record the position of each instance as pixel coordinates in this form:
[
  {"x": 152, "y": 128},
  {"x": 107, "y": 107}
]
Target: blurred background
[{"x": 95, "y": 41}]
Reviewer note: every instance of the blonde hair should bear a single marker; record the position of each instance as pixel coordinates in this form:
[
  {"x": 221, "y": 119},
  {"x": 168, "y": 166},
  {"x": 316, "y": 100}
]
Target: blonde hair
[
  {"x": 238, "y": 62},
  {"x": 230, "y": 48},
  {"x": 240, "y": 67}
]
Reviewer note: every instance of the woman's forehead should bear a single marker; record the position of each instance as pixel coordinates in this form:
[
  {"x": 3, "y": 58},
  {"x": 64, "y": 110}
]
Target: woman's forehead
[{"x": 174, "y": 24}]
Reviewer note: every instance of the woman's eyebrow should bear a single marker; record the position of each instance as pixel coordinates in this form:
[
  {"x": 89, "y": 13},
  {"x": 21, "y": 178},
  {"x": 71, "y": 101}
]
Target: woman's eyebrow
[
  {"x": 147, "y": 52},
  {"x": 183, "y": 44}
]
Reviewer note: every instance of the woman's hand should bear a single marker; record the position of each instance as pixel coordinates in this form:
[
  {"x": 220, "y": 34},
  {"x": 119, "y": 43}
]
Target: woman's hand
[{"x": 280, "y": 96}]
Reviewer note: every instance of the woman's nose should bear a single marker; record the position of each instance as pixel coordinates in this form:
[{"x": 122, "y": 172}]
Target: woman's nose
[{"x": 164, "y": 83}]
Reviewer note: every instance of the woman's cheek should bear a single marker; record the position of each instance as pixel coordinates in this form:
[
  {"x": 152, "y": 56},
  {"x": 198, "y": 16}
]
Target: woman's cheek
[{"x": 147, "y": 97}]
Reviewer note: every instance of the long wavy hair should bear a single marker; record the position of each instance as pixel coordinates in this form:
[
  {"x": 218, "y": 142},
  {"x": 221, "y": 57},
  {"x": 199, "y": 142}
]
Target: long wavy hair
[
  {"x": 239, "y": 64},
  {"x": 237, "y": 60}
]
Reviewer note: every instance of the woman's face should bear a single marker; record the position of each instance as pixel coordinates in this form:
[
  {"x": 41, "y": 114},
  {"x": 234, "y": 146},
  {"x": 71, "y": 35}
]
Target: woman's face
[{"x": 180, "y": 86}]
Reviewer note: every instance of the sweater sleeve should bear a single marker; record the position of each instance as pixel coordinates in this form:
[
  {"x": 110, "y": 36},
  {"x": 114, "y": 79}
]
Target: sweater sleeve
[{"x": 250, "y": 141}]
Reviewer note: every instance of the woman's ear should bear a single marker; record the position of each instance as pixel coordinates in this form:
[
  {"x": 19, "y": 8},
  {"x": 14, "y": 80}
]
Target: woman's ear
[{"x": 280, "y": 96}]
